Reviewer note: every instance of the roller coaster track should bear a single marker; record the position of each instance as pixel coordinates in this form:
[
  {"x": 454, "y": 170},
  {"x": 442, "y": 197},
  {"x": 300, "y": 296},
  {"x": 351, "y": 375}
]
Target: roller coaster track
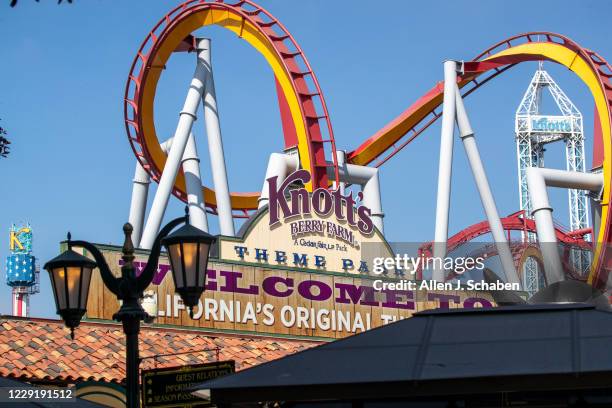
[
  {"x": 303, "y": 110},
  {"x": 305, "y": 119},
  {"x": 521, "y": 251},
  {"x": 513, "y": 222}
]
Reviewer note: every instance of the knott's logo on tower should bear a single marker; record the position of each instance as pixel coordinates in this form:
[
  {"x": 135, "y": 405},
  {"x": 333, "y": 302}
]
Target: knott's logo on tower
[
  {"x": 550, "y": 124},
  {"x": 296, "y": 202}
]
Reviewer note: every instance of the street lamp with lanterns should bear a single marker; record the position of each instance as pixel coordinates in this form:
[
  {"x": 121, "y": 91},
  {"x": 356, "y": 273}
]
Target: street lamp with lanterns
[{"x": 70, "y": 273}]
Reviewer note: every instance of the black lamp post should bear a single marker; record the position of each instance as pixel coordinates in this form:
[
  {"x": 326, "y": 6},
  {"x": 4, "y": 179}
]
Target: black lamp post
[{"x": 70, "y": 273}]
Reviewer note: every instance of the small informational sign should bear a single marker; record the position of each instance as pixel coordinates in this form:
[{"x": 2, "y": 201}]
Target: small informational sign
[{"x": 169, "y": 387}]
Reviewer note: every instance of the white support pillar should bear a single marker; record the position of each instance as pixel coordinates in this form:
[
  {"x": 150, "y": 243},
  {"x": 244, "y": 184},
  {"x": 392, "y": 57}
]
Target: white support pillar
[
  {"x": 445, "y": 166},
  {"x": 280, "y": 165},
  {"x": 372, "y": 199},
  {"x": 215, "y": 146},
  {"x": 175, "y": 154},
  {"x": 140, "y": 194},
  {"x": 341, "y": 160},
  {"x": 486, "y": 196},
  {"x": 138, "y": 205},
  {"x": 537, "y": 180},
  {"x": 165, "y": 146},
  {"x": 193, "y": 184},
  {"x": 367, "y": 178}
]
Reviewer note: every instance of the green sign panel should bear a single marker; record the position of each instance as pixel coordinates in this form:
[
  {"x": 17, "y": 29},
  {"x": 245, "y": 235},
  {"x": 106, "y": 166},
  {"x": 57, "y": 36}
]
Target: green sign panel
[{"x": 169, "y": 387}]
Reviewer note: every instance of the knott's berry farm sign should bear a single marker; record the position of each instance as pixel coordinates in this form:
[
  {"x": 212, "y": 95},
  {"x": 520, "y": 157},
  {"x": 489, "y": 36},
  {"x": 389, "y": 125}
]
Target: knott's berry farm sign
[
  {"x": 295, "y": 269},
  {"x": 323, "y": 230}
]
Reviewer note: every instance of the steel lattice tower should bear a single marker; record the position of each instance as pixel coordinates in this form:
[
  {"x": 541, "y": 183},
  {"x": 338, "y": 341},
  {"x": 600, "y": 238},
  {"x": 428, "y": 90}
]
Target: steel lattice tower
[{"x": 534, "y": 130}]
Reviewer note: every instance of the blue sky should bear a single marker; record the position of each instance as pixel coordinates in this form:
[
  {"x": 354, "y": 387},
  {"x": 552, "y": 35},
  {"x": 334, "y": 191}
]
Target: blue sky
[{"x": 63, "y": 71}]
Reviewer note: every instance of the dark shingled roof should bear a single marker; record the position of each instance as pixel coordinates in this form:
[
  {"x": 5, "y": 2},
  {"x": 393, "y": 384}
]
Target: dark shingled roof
[
  {"x": 441, "y": 353},
  {"x": 40, "y": 350}
]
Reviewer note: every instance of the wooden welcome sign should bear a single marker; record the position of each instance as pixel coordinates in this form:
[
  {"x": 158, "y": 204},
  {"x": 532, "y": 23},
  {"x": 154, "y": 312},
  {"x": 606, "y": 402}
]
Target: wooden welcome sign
[
  {"x": 241, "y": 297},
  {"x": 299, "y": 267}
]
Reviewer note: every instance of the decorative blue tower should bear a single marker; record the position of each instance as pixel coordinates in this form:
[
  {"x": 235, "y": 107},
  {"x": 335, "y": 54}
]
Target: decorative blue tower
[{"x": 22, "y": 273}]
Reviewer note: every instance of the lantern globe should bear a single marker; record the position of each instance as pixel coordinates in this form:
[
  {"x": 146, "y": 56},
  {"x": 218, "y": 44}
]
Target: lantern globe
[
  {"x": 70, "y": 275},
  {"x": 188, "y": 251}
]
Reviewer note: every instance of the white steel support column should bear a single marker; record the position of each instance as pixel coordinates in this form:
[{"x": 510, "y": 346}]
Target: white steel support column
[
  {"x": 486, "y": 196},
  {"x": 175, "y": 154},
  {"x": 367, "y": 178},
  {"x": 140, "y": 194},
  {"x": 372, "y": 199},
  {"x": 193, "y": 184},
  {"x": 138, "y": 205},
  {"x": 538, "y": 179},
  {"x": 215, "y": 146},
  {"x": 445, "y": 165},
  {"x": 279, "y": 165},
  {"x": 341, "y": 159}
]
